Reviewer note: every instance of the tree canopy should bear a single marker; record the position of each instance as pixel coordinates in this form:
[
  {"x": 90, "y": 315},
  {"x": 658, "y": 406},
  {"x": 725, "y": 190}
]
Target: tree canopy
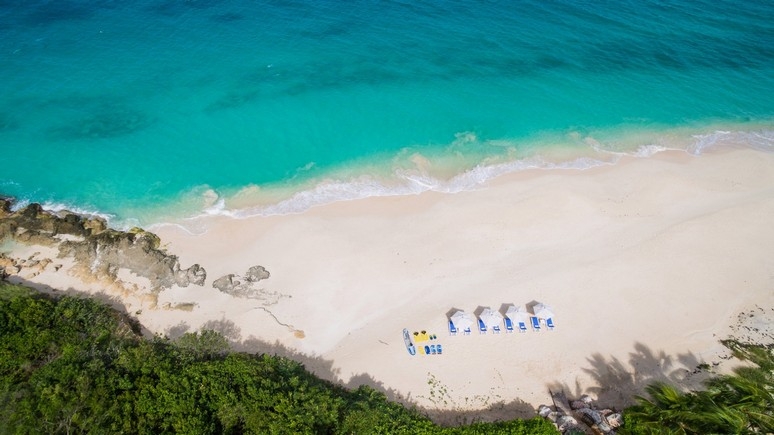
[
  {"x": 74, "y": 365},
  {"x": 740, "y": 403}
]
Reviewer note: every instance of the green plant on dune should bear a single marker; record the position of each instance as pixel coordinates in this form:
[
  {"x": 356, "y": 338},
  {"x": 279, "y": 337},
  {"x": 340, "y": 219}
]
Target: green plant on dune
[
  {"x": 74, "y": 365},
  {"x": 740, "y": 403}
]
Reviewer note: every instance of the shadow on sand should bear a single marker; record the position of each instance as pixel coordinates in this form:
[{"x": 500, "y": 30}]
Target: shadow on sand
[
  {"x": 325, "y": 369},
  {"x": 617, "y": 383}
]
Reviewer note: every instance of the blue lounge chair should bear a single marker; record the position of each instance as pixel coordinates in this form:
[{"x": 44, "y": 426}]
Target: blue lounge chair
[
  {"x": 452, "y": 328},
  {"x": 481, "y": 326},
  {"x": 432, "y": 349},
  {"x": 427, "y": 350},
  {"x": 550, "y": 323},
  {"x": 466, "y": 331},
  {"x": 522, "y": 327},
  {"x": 508, "y": 324},
  {"x": 496, "y": 329},
  {"x": 439, "y": 349},
  {"x": 535, "y": 323}
]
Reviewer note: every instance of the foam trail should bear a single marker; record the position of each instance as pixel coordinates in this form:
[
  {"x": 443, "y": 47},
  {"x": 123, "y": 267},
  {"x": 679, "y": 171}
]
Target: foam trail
[
  {"x": 760, "y": 140},
  {"x": 57, "y": 207},
  {"x": 409, "y": 183},
  {"x": 416, "y": 181}
]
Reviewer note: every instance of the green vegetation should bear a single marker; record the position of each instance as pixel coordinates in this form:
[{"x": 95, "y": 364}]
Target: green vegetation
[
  {"x": 74, "y": 365},
  {"x": 742, "y": 403}
]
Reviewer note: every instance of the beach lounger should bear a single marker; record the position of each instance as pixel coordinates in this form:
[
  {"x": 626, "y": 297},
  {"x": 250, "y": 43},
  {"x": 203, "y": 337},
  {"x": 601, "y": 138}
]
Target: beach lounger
[
  {"x": 522, "y": 327},
  {"x": 496, "y": 329},
  {"x": 466, "y": 331},
  {"x": 535, "y": 323},
  {"x": 439, "y": 349},
  {"x": 427, "y": 350},
  {"x": 550, "y": 323},
  {"x": 452, "y": 328},
  {"x": 508, "y": 324},
  {"x": 481, "y": 327},
  {"x": 432, "y": 349}
]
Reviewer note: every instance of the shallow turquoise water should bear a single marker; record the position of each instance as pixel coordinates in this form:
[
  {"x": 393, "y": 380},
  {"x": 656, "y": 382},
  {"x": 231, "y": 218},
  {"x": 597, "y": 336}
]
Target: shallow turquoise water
[{"x": 152, "y": 110}]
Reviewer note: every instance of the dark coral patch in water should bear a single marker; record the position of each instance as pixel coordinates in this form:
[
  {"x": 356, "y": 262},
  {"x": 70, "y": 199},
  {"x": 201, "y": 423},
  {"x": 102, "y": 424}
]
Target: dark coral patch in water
[
  {"x": 172, "y": 8},
  {"x": 108, "y": 122},
  {"x": 227, "y": 17},
  {"x": 7, "y": 123},
  {"x": 55, "y": 11}
]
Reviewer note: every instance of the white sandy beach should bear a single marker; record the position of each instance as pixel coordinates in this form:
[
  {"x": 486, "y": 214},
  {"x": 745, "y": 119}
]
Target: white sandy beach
[{"x": 647, "y": 264}]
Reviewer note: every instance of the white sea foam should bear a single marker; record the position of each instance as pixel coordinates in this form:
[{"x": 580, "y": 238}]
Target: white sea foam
[
  {"x": 414, "y": 173},
  {"x": 419, "y": 179},
  {"x": 762, "y": 140},
  {"x": 650, "y": 150},
  {"x": 213, "y": 203},
  {"x": 405, "y": 183},
  {"x": 56, "y": 207}
]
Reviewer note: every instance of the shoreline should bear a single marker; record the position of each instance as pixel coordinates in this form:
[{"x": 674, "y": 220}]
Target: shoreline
[
  {"x": 646, "y": 262},
  {"x": 415, "y": 170},
  {"x": 443, "y": 170}
]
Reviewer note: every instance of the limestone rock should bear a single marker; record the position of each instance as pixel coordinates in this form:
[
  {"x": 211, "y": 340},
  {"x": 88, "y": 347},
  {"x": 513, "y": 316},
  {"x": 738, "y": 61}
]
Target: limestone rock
[
  {"x": 257, "y": 273},
  {"x": 195, "y": 275},
  {"x": 225, "y": 283},
  {"x": 614, "y": 420},
  {"x": 578, "y": 404},
  {"x": 566, "y": 422},
  {"x": 5, "y": 206},
  {"x": 97, "y": 249},
  {"x": 589, "y": 416},
  {"x": 544, "y": 411}
]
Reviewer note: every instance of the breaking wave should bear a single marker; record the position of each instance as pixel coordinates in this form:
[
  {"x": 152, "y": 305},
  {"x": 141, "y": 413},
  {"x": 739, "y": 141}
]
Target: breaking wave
[{"x": 420, "y": 175}]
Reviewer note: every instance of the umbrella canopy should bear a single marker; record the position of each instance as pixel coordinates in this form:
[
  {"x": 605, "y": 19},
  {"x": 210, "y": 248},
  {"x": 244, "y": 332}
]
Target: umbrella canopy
[
  {"x": 491, "y": 318},
  {"x": 462, "y": 320},
  {"x": 517, "y": 314},
  {"x": 543, "y": 311}
]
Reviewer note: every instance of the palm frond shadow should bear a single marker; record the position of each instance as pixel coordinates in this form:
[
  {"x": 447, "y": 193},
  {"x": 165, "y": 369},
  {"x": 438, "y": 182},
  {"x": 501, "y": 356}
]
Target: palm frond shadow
[{"x": 618, "y": 382}]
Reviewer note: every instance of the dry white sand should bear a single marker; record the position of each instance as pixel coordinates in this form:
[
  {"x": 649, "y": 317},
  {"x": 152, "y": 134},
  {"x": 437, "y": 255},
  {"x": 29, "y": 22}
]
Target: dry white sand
[{"x": 646, "y": 263}]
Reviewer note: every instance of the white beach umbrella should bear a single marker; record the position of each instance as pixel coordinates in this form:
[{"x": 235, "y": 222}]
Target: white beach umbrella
[
  {"x": 462, "y": 320},
  {"x": 543, "y": 311},
  {"x": 517, "y": 314},
  {"x": 491, "y": 318}
]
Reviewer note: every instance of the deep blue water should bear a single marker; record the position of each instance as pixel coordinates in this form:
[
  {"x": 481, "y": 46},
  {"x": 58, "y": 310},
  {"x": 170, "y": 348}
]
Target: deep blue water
[{"x": 151, "y": 110}]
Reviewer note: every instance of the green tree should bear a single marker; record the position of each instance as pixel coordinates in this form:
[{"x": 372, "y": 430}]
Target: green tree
[
  {"x": 73, "y": 365},
  {"x": 740, "y": 403}
]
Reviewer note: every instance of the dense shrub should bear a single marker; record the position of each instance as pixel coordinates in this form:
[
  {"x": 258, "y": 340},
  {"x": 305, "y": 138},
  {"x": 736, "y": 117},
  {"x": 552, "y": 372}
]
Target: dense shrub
[
  {"x": 74, "y": 365},
  {"x": 741, "y": 403}
]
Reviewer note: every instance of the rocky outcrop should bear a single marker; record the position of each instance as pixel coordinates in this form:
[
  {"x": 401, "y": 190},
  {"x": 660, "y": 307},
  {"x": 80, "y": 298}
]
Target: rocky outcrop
[
  {"x": 32, "y": 266},
  {"x": 33, "y": 219},
  {"x": 257, "y": 273},
  {"x": 243, "y": 287},
  {"x": 95, "y": 248},
  {"x": 246, "y": 286},
  {"x": 568, "y": 416},
  {"x": 235, "y": 285}
]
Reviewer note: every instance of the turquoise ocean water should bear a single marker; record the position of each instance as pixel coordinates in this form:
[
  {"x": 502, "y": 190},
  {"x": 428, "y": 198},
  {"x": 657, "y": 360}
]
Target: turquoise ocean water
[{"x": 153, "y": 110}]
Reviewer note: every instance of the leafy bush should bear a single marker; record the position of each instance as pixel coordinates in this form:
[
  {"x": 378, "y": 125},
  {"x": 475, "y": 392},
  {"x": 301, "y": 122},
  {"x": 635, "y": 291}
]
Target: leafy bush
[
  {"x": 75, "y": 365},
  {"x": 732, "y": 404}
]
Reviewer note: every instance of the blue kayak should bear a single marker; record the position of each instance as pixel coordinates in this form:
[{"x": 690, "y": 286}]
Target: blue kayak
[{"x": 409, "y": 345}]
